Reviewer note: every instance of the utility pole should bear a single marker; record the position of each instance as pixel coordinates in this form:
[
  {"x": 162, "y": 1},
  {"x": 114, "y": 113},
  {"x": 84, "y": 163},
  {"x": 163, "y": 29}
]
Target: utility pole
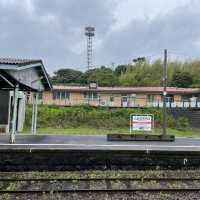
[{"x": 164, "y": 93}]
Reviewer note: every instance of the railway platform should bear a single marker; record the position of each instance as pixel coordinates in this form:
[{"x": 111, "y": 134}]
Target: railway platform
[
  {"x": 61, "y": 152},
  {"x": 97, "y": 142}
]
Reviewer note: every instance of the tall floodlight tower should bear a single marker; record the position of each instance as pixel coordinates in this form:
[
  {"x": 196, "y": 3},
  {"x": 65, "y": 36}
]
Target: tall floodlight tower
[{"x": 89, "y": 32}]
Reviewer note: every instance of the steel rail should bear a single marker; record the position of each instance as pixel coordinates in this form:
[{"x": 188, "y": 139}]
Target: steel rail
[
  {"x": 102, "y": 190},
  {"x": 102, "y": 179}
]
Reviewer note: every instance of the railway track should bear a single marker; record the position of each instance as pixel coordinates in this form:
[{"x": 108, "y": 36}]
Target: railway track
[
  {"x": 100, "y": 190},
  {"x": 105, "y": 184},
  {"x": 83, "y": 188},
  {"x": 104, "y": 179}
]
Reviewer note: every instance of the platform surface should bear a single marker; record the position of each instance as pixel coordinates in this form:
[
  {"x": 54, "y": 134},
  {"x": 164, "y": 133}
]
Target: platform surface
[{"x": 91, "y": 142}]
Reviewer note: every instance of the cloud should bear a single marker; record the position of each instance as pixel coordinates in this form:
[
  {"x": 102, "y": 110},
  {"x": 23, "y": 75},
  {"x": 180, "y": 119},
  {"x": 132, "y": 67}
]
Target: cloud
[
  {"x": 54, "y": 30},
  {"x": 51, "y": 30},
  {"x": 177, "y": 30},
  {"x": 142, "y": 9}
]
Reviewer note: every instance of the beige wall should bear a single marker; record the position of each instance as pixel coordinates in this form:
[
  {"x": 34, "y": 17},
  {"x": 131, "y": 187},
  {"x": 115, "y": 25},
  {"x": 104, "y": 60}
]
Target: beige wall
[
  {"x": 158, "y": 97},
  {"x": 141, "y": 99},
  {"x": 77, "y": 98},
  {"x": 47, "y": 97},
  {"x": 177, "y": 98}
]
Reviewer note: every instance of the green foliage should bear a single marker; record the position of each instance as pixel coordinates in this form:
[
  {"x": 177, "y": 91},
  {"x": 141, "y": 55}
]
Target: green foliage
[
  {"x": 88, "y": 116},
  {"x": 66, "y": 76},
  {"x": 182, "y": 123},
  {"x": 120, "y": 69},
  {"x": 182, "y": 79},
  {"x": 141, "y": 73},
  {"x": 103, "y": 76}
]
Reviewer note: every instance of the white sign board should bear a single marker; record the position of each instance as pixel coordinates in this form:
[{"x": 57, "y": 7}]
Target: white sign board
[{"x": 141, "y": 122}]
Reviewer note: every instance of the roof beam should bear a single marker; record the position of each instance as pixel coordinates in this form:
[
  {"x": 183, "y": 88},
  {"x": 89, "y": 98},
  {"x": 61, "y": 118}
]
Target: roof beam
[{"x": 6, "y": 80}]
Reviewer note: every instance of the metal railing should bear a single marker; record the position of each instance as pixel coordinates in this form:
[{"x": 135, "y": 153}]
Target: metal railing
[
  {"x": 136, "y": 103},
  {"x": 177, "y": 104}
]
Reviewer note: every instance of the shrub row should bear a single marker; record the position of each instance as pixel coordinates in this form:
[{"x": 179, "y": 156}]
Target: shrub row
[{"x": 85, "y": 115}]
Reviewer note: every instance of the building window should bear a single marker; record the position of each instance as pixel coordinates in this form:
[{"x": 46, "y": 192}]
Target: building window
[
  {"x": 40, "y": 95},
  {"x": 85, "y": 95},
  {"x": 67, "y": 95},
  {"x": 124, "y": 99},
  {"x": 94, "y": 95},
  {"x": 91, "y": 95},
  {"x": 63, "y": 95},
  {"x": 151, "y": 98},
  {"x": 58, "y": 95},
  {"x": 112, "y": 99},
  {"x": 54, "y": 95},
  {"x": 170, "y": 98}
]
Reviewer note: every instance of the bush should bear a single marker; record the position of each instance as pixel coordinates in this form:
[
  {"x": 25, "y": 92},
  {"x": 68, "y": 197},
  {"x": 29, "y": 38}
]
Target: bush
[
  {"x": 85, "y": 115},
  {"x": 182, "y": 123}
]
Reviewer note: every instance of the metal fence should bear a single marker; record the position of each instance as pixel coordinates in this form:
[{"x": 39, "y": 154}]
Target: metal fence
[{"x": 129, "y": 103}]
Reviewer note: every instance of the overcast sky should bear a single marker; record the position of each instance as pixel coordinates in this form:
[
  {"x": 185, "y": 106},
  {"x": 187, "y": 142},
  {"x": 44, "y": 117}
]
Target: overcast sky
[{"x": 53, "y": 30}]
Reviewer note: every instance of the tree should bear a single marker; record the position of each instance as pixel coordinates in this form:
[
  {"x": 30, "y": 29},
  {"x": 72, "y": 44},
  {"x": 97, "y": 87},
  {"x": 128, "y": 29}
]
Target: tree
[
  {"x": 182, "y": 79},
  {"x": 120, "y": 69},
  {"x": 128, "y": 79},
  {"x": 65, "y": 76},
  {"x": 103, "y": 76},
  {"x": 140, "y": 73},
  {"x": 139, "y": 59}
]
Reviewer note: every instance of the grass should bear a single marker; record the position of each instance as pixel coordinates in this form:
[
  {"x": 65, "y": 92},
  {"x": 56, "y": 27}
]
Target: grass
[{"x": 96, "y": 131}]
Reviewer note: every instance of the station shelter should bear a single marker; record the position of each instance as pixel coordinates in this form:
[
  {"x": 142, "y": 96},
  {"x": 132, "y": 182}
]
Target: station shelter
[{"x": 19, "y": 77}]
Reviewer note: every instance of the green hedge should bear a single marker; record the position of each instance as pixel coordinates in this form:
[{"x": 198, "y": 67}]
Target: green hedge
[{"x": 85, "y": 115}]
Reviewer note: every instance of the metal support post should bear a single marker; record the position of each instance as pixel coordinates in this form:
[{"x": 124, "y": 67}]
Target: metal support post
[
  {"x": 14, "y": 114},
  {"x": 164, "y": 93},
  {"x": 34, "y": 113}
]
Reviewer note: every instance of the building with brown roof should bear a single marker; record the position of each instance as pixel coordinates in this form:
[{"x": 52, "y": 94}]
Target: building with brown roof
[{"x": 121, "y": 96}]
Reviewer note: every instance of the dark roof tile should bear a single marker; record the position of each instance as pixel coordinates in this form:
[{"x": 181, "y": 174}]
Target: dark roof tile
[{"x": 17, "y": 61}]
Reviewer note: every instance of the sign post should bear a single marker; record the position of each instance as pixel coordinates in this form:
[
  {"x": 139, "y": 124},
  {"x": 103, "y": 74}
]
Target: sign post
[{"x": 141, "y": 122}]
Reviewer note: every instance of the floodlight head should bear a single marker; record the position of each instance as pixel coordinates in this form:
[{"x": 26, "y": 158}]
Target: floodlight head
[{"x": 89, "y": 31}]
